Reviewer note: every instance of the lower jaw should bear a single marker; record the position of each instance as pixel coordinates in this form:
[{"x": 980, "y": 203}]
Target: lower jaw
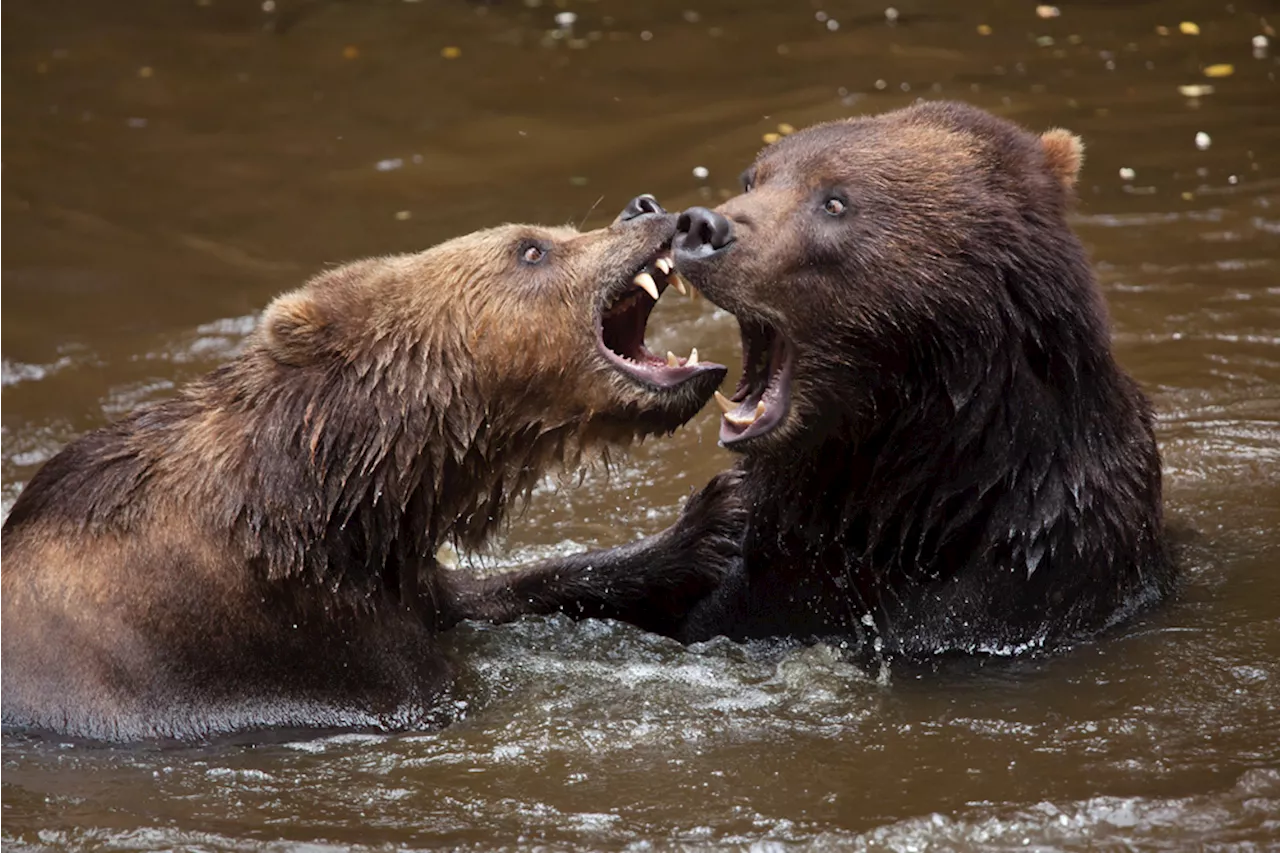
[{"x": 733, "y": 436}]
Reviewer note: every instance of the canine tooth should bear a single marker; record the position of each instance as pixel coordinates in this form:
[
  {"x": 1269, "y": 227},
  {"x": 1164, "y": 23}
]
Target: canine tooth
[
  {"x": 672, "y": 359},
  {"x": 646, "y": 283},
  {"x": 726, "y": 405},
  {"x": 664, "y": 265},
  {"x": 693, "y": 357},
  {"x": 678, "y": 282},
  {"x": 740, "y": 421}
]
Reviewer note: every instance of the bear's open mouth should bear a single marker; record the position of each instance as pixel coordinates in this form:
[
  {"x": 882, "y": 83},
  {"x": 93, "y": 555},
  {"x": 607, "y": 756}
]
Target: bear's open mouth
[
  {"x": 763, "y": 396},
  {"x": 622, "y": 325}
]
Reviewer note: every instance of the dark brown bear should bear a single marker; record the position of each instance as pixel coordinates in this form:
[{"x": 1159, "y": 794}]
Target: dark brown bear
[
  {"x": 260, "y": 551},
  {"x": 939, "y": 450}
]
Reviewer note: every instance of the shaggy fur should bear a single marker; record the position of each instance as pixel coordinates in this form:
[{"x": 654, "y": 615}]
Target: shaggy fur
[
  {"x": 260, "y": 550},
  {"x": 963, "y": 467}
]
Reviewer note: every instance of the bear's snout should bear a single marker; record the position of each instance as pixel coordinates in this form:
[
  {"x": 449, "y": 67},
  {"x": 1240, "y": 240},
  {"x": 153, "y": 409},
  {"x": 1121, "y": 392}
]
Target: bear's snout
[{"x": 701, "y": 232}]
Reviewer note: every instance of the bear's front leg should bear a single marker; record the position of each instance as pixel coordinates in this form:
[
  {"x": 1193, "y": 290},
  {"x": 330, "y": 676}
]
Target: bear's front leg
[{"x": 652, "y": 583}]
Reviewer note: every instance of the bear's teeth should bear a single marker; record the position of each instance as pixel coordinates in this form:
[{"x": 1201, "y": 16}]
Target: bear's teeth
[
  {"x": 678, "y": 282},
  {"x": 747, "y": 420},
  {"x": 646, "y": 283},
  {"x": 731, "y": 411},
  {"x": 693, "y": 357},
  {"x": 672, "y": 359},
  {"x": 664, "y": 265}
]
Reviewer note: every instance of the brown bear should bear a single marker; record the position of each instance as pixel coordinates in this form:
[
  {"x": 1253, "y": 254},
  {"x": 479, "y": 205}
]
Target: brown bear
[
  {"x": 938, "y": 449},
  {"x": 260, "y": 551}
]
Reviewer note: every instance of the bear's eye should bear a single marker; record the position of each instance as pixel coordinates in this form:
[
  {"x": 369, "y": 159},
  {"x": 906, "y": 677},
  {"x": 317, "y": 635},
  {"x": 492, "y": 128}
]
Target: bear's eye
[
  {"x": 532, "y": 253},
  {"x": 834, "y": 206}
]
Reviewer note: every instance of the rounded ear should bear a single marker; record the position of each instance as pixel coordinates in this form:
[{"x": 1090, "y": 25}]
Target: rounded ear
[
  {"x": 1063, "y": 154},
  {"x": 294, "y": 329}
]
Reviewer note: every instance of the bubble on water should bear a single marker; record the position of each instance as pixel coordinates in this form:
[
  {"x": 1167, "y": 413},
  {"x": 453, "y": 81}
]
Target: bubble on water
[
  {"x": 565, "y": 20},
  {"x": 1127, "y": 174},
  {"x": 891, "y": 15},
  {"x": 389, "y": 165},
  {"x": 833, "y": 25},
  {"x": 1046, "y": 12},
  {"x": 1195, "y": 90},
  {"x": 645, "y": 35},
  {"x": 1203, "y": 141},
  {"x": 701, "y": 172},
  {"x": 820, "y": 16}
]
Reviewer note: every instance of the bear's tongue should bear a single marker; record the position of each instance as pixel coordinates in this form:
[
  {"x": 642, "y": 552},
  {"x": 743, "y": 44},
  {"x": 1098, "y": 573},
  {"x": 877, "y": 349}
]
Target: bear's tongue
[{"x": 764, "y": 392}]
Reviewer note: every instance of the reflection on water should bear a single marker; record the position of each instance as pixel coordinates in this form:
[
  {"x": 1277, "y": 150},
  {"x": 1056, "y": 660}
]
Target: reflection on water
[{"x": 170, "y": 166}]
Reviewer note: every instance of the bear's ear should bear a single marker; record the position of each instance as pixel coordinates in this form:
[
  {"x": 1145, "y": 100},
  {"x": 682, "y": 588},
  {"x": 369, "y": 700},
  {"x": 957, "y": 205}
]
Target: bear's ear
[
  {"x": 1063, "y": 154},
  {"x": 294, "y": 329}
]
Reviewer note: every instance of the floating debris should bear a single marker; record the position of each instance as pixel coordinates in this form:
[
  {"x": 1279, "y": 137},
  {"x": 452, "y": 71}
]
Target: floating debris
[
  {"x": 389, "y": 165},
  {"x": 701, "y": 172},
  {"x": 145, "y": 71},
  {"x": 451, "y": 52},
  {"x": 1162, "y": 30},
  {"x": 351, "y": 52},
  {"x": 770, "y": 138},
  {"x": 984, "y": 29},
  {"x": 1047, "y": 12},
  {"x": 1195, "y": 90},
  {"x": 565, "y": 20},
  {"x": 136, "y": 123},
  {"x": 786, "y": 129},
  {"x": 1203, "y": 141},
  {"x": 1222, "y": 69},
  {"x": 1189, "y": 28},
  {"x": 402, "y": 215},
  {"x": 1127, "y": 174},
  {"x": 578, "y": 181}
]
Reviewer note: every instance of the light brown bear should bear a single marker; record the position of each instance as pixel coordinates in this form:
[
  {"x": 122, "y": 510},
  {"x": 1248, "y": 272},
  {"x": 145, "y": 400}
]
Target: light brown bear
[{"x": 260, "y": 550}]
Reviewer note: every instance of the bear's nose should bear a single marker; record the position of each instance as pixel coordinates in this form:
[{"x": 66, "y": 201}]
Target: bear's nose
[
  {"x": 641, "y": 205},
  {"x": 701, "y": 232}
]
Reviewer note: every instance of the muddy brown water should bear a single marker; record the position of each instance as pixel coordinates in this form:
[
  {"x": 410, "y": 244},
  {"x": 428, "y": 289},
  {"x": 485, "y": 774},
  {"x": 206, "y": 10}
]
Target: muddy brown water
[{"x": 169, "y": 166}]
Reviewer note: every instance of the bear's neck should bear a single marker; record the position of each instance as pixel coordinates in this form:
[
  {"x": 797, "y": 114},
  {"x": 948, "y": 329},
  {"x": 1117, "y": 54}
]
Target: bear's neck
[
  {"x": 355, "y": 477},
  {"x": 1014, "y": 470}
]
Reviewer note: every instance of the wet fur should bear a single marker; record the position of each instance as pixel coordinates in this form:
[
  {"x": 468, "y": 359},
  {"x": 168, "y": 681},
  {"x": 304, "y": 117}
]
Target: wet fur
[{"x": 965, "y": 467}]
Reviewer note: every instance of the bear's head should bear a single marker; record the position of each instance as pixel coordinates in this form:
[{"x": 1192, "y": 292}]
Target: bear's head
[
  {"x": 876, "y": 260},
  {"x": 517, "y": 330}
]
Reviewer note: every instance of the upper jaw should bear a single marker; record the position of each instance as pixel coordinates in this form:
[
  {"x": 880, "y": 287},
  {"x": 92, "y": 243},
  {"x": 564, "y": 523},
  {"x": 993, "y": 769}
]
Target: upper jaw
[{"x": 620, "y": 327}]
